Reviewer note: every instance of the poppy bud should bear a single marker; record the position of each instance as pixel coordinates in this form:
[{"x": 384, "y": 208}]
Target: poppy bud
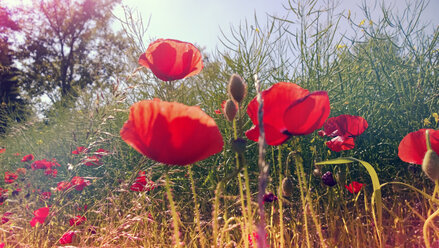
[
  {"x": 238, "y": 145},
  {"x": 287, "y": 187},
  {"x": 317, "y": 172},
  {"x": 237, "y": 88},
  {"x": 230, "y": 110},
  {"x": 328, "y": 179},
  {"x": 430, "y": 165}
]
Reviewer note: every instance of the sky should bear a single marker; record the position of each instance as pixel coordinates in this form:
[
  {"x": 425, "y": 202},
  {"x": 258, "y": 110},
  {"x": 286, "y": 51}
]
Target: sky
[{"x": 200, "y": 21}]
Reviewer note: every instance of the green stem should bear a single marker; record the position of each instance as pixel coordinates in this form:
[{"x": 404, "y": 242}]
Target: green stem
[
  {"x": 301, "y": 177},
  {"x": 196, "y": 205},
  {"x": 215, "y": 213},
  {"x": 173, "y": 211},
  {"x": 280, "y": 194}
]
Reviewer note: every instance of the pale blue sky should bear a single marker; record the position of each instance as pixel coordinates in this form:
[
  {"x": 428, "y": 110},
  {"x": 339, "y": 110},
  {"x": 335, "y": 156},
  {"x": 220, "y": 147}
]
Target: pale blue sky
[{"x": 199, "y": 21}]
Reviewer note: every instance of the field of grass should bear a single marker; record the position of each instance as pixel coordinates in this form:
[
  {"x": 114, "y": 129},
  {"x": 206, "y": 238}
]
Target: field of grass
[{"x": 107, "y": 194}]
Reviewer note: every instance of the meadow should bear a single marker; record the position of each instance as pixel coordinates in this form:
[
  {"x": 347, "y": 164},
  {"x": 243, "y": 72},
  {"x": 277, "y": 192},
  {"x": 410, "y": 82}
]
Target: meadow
[{"x": 296, "y": 135}]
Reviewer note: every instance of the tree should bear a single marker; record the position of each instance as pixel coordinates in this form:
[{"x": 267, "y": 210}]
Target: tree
[
  {"x": 13, "y": 106},
  {"x": 70, "y": 46}
]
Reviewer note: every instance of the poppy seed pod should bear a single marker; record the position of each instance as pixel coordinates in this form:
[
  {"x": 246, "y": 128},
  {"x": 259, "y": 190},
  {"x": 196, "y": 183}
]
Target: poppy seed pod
[
  {"x": 430, "y": 165},
  {"x": 230, "y": 110},
  {"x": 287, "y": 187},
  {"x": 237, "y": 88}
]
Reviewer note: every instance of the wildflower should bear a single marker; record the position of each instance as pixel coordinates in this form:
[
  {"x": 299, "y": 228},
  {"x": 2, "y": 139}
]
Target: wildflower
[
  {"x": 354, "y": 187},
  {"x": 171, "y": 132},
  {"x": 92, "y": 161},
  {"x": 64, "y": 186},
  {"x": 77, "y": 220},
  {"x": 362, "y": 22},
  {"x": 328, "y": 179},
  {"x": 5, "y": 218},
  {"x": 28, "y": 157},
  {"x": 2, "y": 150},
  {"x": 269, "y": 197},
  {"x": 413, "y": 149},
  {"x": 172, "y": 59},
  {"x": 79, "y": 183},
  {"x": 341, "y": 46},
  {"x": 343, "y": 129},
  {"x": 21, "y": 171},
  {"x": 101, "y": 152},
  {"x": 142, "y": 183},
  {"x": 16, "y": 154},
  {"x": 79, "y": 150},
  {"x": 413, "y": 146},
  {"x": 67, "y": 238},
  {"x": 40, "y": 216},
  {"x": 436, "y": 117},
  {"x": 10, "y": 177},
  {"x": 427, "y": 122},
  {"x": 289, "y": 110}
]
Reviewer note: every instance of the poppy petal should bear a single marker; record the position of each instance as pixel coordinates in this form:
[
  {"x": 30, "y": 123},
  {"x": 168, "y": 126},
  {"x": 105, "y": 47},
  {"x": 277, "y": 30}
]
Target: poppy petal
[
  {"x": 272, "y": 135},
  {"x": 171, "y": 132},
  {"x": 172, "y": 59},
  {"x": 345, "y": 125},
  {"x": 341, "y": 143},
  {"x": 307, "y": 114},
  {"x": 413, "y": 147},
  {"x": 276, "y": 100}
]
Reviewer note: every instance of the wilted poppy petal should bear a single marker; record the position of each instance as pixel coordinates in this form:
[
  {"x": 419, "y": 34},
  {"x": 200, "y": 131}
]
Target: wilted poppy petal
[
  {"x": 276, "y": 100},
  {"x": 354, "y": 187},
  {"x": 172, "y": 59},
  {"x": 413, "y": 147},
  {"x": 341, "y": 143},
  {"x": 307, "y": 114},
  {"x": 171, "y": 132}
]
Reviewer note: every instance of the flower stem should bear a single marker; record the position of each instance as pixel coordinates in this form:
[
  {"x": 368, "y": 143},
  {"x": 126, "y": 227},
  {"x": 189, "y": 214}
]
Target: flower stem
[
  {"x": 430, "y": 218},
  {"x": 196, "y": 205},
  {"x": 173, "y": 212},
  {"x": 280, "y": 195},
  {"x": 301, "y": 177}
]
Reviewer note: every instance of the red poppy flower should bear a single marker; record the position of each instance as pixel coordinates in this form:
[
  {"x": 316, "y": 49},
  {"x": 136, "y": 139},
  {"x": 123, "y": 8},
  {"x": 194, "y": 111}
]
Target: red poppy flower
[
  {"x": 79, "y": 183},
  {"x": 16, "y": 154},
  {"x": 289, "y": 110},
  {"x": 5, "y": 218},
  {"x": 92, "y": 161},
  {"x": 142, "y": 183},
  {"x": 343, "y": 129},
  {"x": 40, "y": 216},
  {"x": 101, "y": 152},
  {"x": 77, "y": 220},
  {"x": 64, "y": 186},
  {"x": 171, "y": 132},
  {"x": 172, "y": 59},
  {"x": 67, "y": 238},
  {"x": 79, "y": 150},
  {"x": 28, "y": 157},
  {"x": 413, "y": 147},
  {"x": 2, "y": 150},
  {"x": 10, "y": 177},
  {"x": 354, "y": 187}
]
